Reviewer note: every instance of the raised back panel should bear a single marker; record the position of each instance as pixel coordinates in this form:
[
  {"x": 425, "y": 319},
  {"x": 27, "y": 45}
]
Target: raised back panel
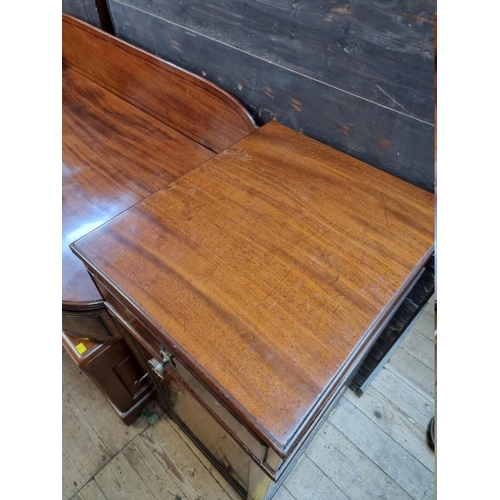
[{"x": 186, "y": 102}]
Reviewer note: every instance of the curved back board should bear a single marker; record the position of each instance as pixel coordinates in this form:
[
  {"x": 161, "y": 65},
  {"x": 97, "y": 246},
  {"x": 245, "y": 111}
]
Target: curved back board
[{"x": 191, "y": 105}]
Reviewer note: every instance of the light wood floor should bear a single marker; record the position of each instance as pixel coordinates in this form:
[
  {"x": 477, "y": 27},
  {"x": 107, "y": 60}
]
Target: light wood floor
[{"x": 371, "y": 447}]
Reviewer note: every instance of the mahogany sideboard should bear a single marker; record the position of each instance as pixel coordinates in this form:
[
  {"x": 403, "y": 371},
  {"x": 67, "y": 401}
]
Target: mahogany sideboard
[
  {"x": 253, "y": 288},
  {"x": 131, "y": 124}
]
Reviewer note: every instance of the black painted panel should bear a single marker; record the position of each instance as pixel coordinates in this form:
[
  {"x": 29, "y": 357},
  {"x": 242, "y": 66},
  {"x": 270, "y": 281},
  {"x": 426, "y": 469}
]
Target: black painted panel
[
  {"x": 330, "y": 41},
  {"x": 384, "y": 138},
  {"x": 84, "y": 10}
]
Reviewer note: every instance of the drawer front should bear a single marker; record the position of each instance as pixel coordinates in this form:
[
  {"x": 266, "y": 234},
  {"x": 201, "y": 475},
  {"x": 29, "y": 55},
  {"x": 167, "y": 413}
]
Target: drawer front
[
  {"x": 125, "y": 316},
  {"x": 157, "y": 354}
]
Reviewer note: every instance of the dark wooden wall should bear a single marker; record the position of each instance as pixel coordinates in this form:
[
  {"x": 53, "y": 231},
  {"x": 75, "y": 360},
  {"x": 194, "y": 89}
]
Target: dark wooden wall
[
  {"x": 86, "y": 10},
  {"x": 357, "y": 75}
]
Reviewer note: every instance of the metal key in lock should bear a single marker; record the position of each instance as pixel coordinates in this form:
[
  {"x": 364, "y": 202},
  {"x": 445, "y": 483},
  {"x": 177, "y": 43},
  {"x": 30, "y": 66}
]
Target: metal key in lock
[{"x": 158, "y": 367}]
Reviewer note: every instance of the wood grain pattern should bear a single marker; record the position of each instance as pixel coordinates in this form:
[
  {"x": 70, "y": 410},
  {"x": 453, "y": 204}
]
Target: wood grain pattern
[
  {"x": 186, "y": 102},
  {"x": 94, "y": 413},
  {"x": 72, "y": 480},
  {"x": 332, "y": 452},
  {"x": 85, "y": 10},
  {"x": 179, "y": 473},
  {"x": 385, "y": 137},
  {"x": 114, "y": 155},
  {"x": 421, "y": 348},
  {"x": 404, "y": 396},
  {"x": 306, "y": 477},
  {"x": 267, "y": 269},
  {"x": 118, "y": 142},
  {"x": 396, "y": 424},
  {"x": 90, "y": 492},
  {"x": 119, "y": 481},
  {"x": 349, "y": 468},
  {"x": 392, "y": 458},
  {"x": 339, "y": 44},
  {"x": 404, "y": 365}
]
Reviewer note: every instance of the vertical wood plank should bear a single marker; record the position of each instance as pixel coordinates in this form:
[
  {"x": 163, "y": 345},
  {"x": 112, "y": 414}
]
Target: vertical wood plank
[
  {"x": 283, "y": 494},
  {"x": 420, "y": 347},
  {"x": 169, "y": 468},
  {"x": 204, "y": 460},
  {"x": 86, "y": 449},
  {"x": 164, "y": 442}
]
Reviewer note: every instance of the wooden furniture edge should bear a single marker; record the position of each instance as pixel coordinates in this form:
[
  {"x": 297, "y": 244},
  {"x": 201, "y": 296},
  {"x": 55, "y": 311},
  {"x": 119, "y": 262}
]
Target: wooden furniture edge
[
  {"x": 345, "y": 373},
  {"x": 162, "y": 65}
]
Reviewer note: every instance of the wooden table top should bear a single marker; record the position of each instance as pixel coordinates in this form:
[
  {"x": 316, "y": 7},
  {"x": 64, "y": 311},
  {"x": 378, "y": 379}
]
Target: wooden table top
[
  {"x": 102, "y": 174},
  {"x": 130, "y": 126},
  {"x": 266, "y": 268}
]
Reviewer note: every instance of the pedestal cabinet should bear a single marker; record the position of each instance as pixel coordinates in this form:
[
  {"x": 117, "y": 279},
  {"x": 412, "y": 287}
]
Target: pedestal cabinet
[{"x": 253, "y": 288}]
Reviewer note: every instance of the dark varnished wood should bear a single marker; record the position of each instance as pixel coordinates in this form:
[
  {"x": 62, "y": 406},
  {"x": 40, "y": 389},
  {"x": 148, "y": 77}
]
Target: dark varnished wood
[
  {"x": 92, "y": 323},
  {"x": 351, "y": 46},
  {"x": 116, "y": 153},
  {"x": 269, "y": 270},
  {"x": 112, "y": 368},
  {"x": 184, "y": 101},
  {"x": 354, "y": 75}
]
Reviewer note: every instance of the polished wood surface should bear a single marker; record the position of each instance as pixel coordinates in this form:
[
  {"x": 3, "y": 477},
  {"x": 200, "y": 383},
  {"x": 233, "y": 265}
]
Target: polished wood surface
[
  {"x": 114, "y": 155},
  {"x": 116, "y": 149},
  {"x": 268, "y": 269},
  {"x": 184, "y": 101}
]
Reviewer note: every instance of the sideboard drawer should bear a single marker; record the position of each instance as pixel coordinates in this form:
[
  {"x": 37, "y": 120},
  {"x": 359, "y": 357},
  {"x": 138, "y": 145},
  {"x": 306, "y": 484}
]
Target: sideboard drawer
[
  {"x": 153, "y": 350},
  {"x": 120, "y": 312}
]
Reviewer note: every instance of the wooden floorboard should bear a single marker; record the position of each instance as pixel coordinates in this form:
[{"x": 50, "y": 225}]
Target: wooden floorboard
[
  {"x": 420, "y": 347},
  {"x": 90, "y": 492},
  {"x": 308, "y": 481},
  {"x": 383, "y": 450},
  {"x": 395, "y": 423},
  {"x": 350, "y": 469},
  {"x": 72, "y": 480},
  {"x": 371, "y": 447},
  {"x": 413, "y": 372},
  {"x": 403, "y": 396},
  {"x": 119, "y": 481}
]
